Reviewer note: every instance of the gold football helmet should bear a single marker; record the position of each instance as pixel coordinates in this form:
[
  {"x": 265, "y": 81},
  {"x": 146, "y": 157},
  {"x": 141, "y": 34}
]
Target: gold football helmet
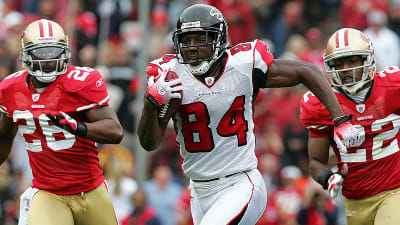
[
  {"x": 45, "y": 51},
  {"x": 348, "y": 42}
]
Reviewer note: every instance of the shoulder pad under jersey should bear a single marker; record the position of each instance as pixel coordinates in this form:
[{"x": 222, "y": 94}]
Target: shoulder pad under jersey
[
  {"x": 158, "y": 65},
  {"x": 390, "y": 76},
  {"x": 313, "y": 112},
  {"x": 255, "y": 53}
]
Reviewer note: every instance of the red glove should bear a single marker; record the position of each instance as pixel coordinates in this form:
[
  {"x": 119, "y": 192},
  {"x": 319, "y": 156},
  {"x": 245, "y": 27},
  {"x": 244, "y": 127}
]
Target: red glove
[
  {"x": 162, "y": 91},
  {"x": 346, "y": 132},
  {"x": 64, "y": 121}
]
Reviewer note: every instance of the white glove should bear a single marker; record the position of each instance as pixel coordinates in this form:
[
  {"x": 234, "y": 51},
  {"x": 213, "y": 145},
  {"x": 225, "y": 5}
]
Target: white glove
[
  {"x": 162, "y": 91},
  {"x": 335, "y": 184},
  {"x": 346, "y": 132}
]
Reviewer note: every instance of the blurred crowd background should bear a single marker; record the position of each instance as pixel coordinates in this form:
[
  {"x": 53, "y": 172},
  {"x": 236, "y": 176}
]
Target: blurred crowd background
[{"x": 107, "y": 35}]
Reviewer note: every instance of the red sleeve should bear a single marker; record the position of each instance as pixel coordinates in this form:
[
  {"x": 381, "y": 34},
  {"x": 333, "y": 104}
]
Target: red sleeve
[
  {"x": 87, "y": 91},
  {"x": 264, "y": 51},
  {"x": 314, "y": 116},
  {"x": 3, "y": 108},
  {"x": 9, "y": 87},
  {"x": 95, "y": 90}
]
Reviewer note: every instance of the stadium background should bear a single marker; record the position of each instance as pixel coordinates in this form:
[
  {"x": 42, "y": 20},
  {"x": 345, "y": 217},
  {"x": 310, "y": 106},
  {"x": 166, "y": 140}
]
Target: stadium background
[{"x": 119, "y": 37}]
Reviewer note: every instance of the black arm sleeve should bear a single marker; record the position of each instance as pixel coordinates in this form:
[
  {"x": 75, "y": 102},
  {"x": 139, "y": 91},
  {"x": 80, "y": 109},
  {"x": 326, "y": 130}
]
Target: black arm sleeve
[{"x": 259, "y": 79}]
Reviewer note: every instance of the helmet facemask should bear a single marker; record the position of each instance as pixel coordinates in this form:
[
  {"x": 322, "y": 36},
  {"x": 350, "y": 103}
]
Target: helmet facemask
[
  {"x": 368, "y": 71},
  {"x": 34, "y": 56},
  {"x": 214, "y": 38},
  {"x": 45, "y": 51},
  {"x": 204, "y": 20},
  {"x": 347, "y": 42}
]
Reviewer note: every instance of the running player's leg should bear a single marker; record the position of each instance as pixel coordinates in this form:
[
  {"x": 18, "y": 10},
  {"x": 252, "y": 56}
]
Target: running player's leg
[
  {"x": 242, "y": 203},
  {"x": 388, "y": 211},
  {"x": 362, "y": 211},
  {"x": 195, "y": 208},
  {"x": 94, "y": 207},
  {"x": 49, "y": 209}
]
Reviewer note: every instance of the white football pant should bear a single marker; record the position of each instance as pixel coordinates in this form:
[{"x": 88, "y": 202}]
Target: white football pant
[{"x": 239, "y": 199}]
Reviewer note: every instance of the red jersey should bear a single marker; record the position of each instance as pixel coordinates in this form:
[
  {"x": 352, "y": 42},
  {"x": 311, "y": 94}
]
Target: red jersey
[
  {"x": 61, "y": 163},
  {"x": 374, "y": 162}
]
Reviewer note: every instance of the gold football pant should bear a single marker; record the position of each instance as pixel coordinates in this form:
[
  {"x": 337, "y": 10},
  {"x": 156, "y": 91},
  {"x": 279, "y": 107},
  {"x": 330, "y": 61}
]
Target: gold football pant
[
  {"x": 90, "y": 208},
  {"x": 380, "y": 209}
]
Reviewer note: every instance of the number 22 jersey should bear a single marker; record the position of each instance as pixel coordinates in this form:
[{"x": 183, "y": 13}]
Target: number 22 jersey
[
  {"x": 61, "y": 163},
  {"x": 374, "y": 162},
  {"x": 215, "y": 122}
]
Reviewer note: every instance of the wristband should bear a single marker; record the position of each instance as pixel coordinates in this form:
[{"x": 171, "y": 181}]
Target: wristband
[
  {"x": 153, "y": 101},
  {"x": 342, "y": 119},
  {"x": 81, "y": 129},
  {"x": 323, "y": 178}
]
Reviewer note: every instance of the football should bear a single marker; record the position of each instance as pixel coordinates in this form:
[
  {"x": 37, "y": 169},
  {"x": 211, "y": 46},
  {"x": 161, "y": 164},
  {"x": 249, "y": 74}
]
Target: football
[{"x": 167, "y": 110}]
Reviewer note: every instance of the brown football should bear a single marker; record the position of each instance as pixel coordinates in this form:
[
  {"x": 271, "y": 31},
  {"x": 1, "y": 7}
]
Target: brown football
[{"x": 167, "y": 110}]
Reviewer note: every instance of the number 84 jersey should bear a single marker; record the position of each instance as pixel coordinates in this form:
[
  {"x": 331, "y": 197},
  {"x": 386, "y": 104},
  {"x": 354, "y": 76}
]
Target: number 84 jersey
[
  {"x": 215, "y": 122},
  {"x": 373, "y": 162}
]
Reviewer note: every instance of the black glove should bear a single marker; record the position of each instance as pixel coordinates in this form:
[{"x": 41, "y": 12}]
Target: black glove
[{"x": 64, "y": 121}]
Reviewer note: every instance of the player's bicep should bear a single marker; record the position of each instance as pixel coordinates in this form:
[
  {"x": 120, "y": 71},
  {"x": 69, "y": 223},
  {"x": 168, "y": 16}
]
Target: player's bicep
[
  {"x": 285, "y": 73},
  {"x": 101, "y": 113},
  {"x": 7, "y": 127}
]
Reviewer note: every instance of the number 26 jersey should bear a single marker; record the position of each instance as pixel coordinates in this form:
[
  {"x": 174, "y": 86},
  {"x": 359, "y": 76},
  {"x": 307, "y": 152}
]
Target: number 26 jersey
[{"x": 61, "y": 162}]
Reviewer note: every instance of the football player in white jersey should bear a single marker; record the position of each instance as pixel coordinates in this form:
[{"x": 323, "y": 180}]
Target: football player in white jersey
[
  {"x": 214, "y": 123},
  {"x": 369, "y": 169}
]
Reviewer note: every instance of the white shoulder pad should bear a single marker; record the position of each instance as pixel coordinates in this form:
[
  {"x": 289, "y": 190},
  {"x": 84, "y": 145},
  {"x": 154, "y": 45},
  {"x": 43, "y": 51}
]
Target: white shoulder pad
[{"x": 255, "y": 53}]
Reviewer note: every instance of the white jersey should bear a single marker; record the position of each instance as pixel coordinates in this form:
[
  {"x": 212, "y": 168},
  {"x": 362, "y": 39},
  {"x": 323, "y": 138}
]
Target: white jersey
[{"x": 215, "y": 122}]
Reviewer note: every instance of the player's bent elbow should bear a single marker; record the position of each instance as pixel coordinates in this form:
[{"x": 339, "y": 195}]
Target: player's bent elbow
[
  {"x": 115, "y": 137},
  {"x": 148, "y": 145},
  {"x": 119, "y": 136}
]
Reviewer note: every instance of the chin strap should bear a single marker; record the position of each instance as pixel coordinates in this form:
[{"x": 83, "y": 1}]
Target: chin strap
[
  {"x": 48, "y": 78},
  {"x": 200, "y": 69}
]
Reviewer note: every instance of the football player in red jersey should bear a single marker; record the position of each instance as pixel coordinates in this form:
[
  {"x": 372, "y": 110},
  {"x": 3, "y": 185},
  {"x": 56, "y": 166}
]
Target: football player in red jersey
[
  {"x": 368, "y": 169},
  {"x": 61, "y": 111},
  {"x": 215, "y": 124}
]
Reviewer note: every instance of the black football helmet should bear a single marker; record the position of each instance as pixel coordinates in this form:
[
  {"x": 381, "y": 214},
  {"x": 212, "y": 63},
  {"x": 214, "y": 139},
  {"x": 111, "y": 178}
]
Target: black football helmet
[{"x": 203, "y": 19}]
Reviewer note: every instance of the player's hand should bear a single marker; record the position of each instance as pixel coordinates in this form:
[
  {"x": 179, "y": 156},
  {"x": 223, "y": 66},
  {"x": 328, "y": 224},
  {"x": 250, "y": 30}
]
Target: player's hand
[
  {"x": 335, "y": 184},
  {"x": 64, "y": 121},
  {"x": 346, "y": 132},
  {"x": 162, "y": 91}
]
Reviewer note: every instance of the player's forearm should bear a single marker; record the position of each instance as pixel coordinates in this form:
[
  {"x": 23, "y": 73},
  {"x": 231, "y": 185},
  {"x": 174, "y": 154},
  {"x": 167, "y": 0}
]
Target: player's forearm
[
  {"x": 149, "y": 131},
  {"x": 106, "y": 131},
  {"x": 316, "y": 167},
  {"x": 319, "y": 85}
]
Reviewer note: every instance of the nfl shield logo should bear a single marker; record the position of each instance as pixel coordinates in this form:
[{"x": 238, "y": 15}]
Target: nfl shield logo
[
  {"x": 209, "y": 80},
  {"x": 35, "y": 97},
  {"x": 360, "y": 108}
]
